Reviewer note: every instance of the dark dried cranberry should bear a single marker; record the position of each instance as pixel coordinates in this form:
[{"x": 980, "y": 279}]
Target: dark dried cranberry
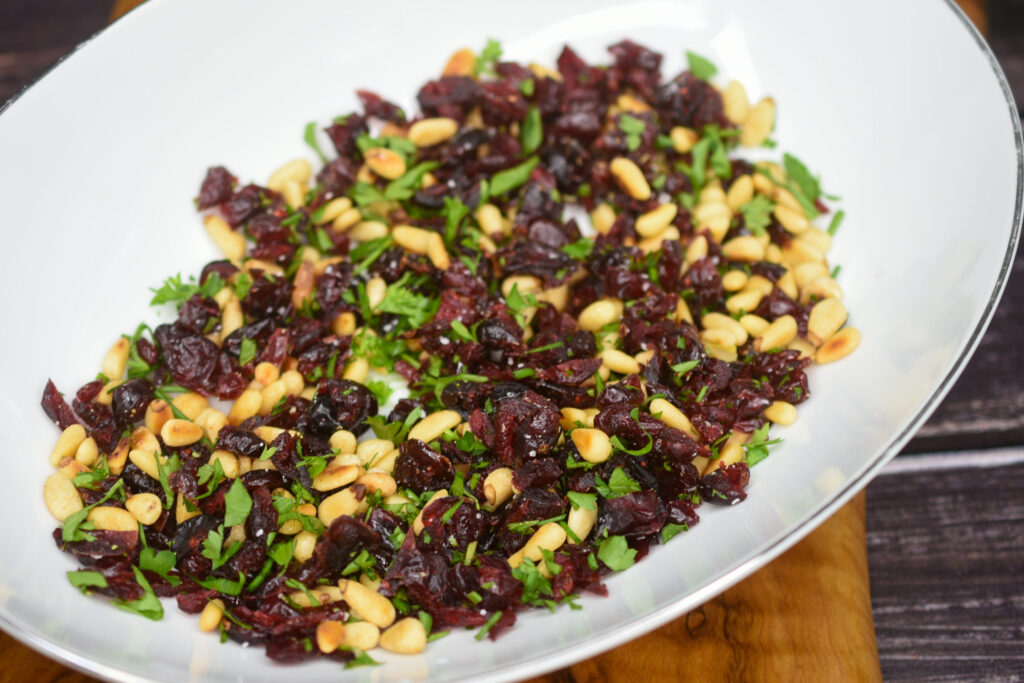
[
  {"x": 420, "y": 468},
  {"x": 725, "y": 485},
  {"x": 217, "y": 187},
  {"x": 341, "y": 404},
  {"x": 56, "y": 408}
]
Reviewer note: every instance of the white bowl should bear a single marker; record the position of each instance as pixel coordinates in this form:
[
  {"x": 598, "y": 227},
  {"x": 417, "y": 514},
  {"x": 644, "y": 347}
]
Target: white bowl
[{"x": 899, "y": 106}]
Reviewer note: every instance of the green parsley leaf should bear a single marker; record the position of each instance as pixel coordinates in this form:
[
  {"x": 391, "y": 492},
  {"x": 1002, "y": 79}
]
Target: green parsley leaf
[
  {"x": 837, "y": 220},
  {"x": 148, "y": 605},
  {"x": 488, "y": 57},
  {"x": 363, "y": 193},
  {"x": 71, "y": 531},
  {"x": 174, "y": 290},
  {"x": 617, "y": 443},
  {"x": 381, "y": 389},
  {"x": 511, "y": 178},
  {"x": 237, "y": 504},
  {"x": 756, "y": 448},
  {"x": 670, "y": 531},
  {"x": 160, "y": 563},
  {"x": 533, "y": 131},
  {"x": 580, "y": 249},
  {"x": 616, "y": 553},
  {"x": 682, "y": 368},
  {"x": 619, "y": 484},
  {"x": 698, "y": 174},
  {"x": 243, "y": 283},
  {"x": 361, "y": 659},
  {"x": 462, "y": 332},
  {"x": 282, "y": 553},
  {"x": 700, "y": 67},
  {"x": 310, "y": 137},
  {"x": 248, "y": 351},
  {"x": 417, "y": 308},
  {"x": 527, "y": 87},
  {"x": 633, "y": 128},
  {"x": 584, "y": 501},
  {"x": 809, "y": 185},
  {"x": 757, "y": 214},
  {"x": 395, "y": 432},
  {"x": 405, "y": 187},
  {"x": 225, "y": 586},
  {"x": 83, "y": 580}
]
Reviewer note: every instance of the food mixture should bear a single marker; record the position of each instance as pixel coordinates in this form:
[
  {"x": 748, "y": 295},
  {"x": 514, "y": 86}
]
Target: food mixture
[{"x": 575, "y": 392}]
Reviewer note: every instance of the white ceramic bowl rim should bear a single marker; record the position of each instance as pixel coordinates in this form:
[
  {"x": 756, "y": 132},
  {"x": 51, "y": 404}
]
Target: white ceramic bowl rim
[{"x": 654, "y": 619}]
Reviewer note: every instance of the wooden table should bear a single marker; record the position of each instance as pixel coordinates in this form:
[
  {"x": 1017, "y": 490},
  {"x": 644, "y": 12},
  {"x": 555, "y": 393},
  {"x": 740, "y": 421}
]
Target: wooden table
[{"x": 945, "y": 521}]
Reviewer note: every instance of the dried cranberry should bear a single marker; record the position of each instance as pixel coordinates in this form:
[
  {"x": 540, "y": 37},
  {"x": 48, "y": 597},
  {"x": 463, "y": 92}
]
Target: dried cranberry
[{"x": 420, "y": 468}]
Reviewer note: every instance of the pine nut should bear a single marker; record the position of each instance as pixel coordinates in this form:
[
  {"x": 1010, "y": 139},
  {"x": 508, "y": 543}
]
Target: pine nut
[
  {"x": 228, "y": 462},
  {"x": 116, "y": 359},
  {"x": 407, "y": 637},
  {"x": 743, "y": 248},
  {"x": 551, "y": 536},
  {"x": 367, "y": 604},
  {"x": 581, "y": 522},
  {"x": 385, "y": 463},
  {"x": 805, "y": 273},
  {"x": 119, "y": 457},
  {"x": 333, "y": 209},
  {"x": 429, "y": 132},
  {"x": 489, "y": 217},
  {"x": 741, "y": 192},
  {"x": 378, "y": 482},
  {"x": 106, "y": 395},
  {"x": 734, "y": 280},
  {"x": 61, "y": 497},
  {"x": 335, "y": 477},
  {"x": 782, "y": 331},
  {"x": 462, "y": 63},
  {"x": 498, "y": 486},
  {"x": 655, "y": 221},
  {"x": 827, "y": 316},
  {"x": 799, "y": 251},
  {"x": 294, "y": 382},
  {"x": 743, "y": 302},
  {"x": 823, "y": 287},
  {"x": 696, "y": 250},
  {"x": 600, "y": 313},
  {"x": 593, "y": 444},
  {"x": 181, "y": 512},
  {"x": 366, "y": 231},
  {"x": 735, "y": 102},
  {"x": 265, "y": 373},
  {"x": 840, "y": 345},
  {"x": 267, "y": 433},
  {"x": 557, "y": 297},
  {"x": 376, "y": 290},
  {"x": 683, "y": 139},
  {"x": 792, "y": 220},
  {"x": 252, "y": 265},
  {"x": 357, "y": 370},
  {"x": 754, "y": 324},
  {"x": 191, "y": 404},
  {"x": 759, "y": 283},
  {"x": 177, "y": 433},
  {"x": 294, "y": 194},
  {"x": 818, "y": 238},
  {"x": 211, "y": 616},
  {"x": 731, "y": 453},
  {"x": 781, "y": 413},
  {"x": 722, "y": 321},
  {"x": 144, "y": 507},
  {"x": 541, "y": 71},
  {"x": 329, "y": 636},
  {"x": 630, "y": 178},
  {"x": 344, "y": 324},
  {"x": 271, "y": 395},
  {"x": 602, "y": 218},
  {"x": 673, "y": 417},
  {"x": 231, "y": 243},
  {"x": 343, "y": 441},
  {"x": 146, "y": 460},
  {"x": 434, "y": 425},
  {"x": 437, "y": 253},
  {"x": 618, "y": 361},
  {"x": 682, "y": 313},
  {"x": 67, "y": 443},
  {"x": 759, "y": 123},
  {"x": 714, "y": 217},
  {"x": 525, "y": 284},
  {"x": 108, "y": 518},
  {"x": 417, "y": 524},
  {"x": 305, "y": 541},
  {"x": 245, "y": 406},
  {"x": 570, "y": 416},
  {"x": 718, "y": 344},
  {"x": 340, "y": 504},
  {"x": 361, "y": 635},
  {"x": 298, "y": 170},
  {"x": 212, "y": 421},
  {"x": 412, "y": 238},
  {"x": 806, "y": 348},
  {"x": 385, "y": 162},
  {"x": 87, "y": 452}
]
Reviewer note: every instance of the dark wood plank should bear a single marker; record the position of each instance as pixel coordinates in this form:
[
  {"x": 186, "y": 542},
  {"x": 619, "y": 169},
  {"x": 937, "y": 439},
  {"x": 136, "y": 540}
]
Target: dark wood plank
[{"x": 946, "y": 551}]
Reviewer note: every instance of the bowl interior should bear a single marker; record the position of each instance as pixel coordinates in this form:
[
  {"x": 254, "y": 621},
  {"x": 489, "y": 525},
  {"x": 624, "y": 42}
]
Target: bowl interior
[{"x": 103, "y": 156}]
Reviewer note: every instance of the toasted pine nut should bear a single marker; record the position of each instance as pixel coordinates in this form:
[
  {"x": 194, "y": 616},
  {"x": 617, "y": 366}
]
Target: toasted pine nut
[
  {"x": 434, "y": 425},
  {"x": 212, "y": 421},
  {"x": 293, "y": 382},
  {"x": 385, "y": 162},
  {"x": 357, "y": 370},
  {"x": 412, "y": 238},
  {"x": 266, "y": 373},
  {"x": 116, "y": 359},
  {"x": 429, "y": 132},
  {"x": 181, "y": 512},
  {"x": 378, "y": 482},
  {"x": 759, "y": 283},
  {"x": 87, "y": 452},
  {"x": 741, "y": 192},
  {"x": 61, "y": 497},
  {"x": 791, "y": 219},
  {"x": 682, "y": 313},
  {"x": 618, "y": 361},
  {"x": 106, "y": 395},
  {"x": 437, "y": 253},
  {"x": 734, "y": 280},
  {"x": 655, "y": 221},
  {"x": 801, "y": 251},
  {"x": 805, "y": 273},
  {"x": 782, "y": 331},
  {"x": 384, "y": 463},
  {"x": 754, "y": 324},
  {"x": 490, "y": 219},
  {"x": 339, "y": 504},
  {"x": 570, "y": 416},
  {"x": 462, "y": 63},
  {"x": 719, "y": 343},
  {"x": 343, "y": 441},
  {"x": 806, "y": 348},
  {"x": 298, "y": 170},
  {"x": 551, "y": 536},
  {"x": 498, "y": 486},
  {"x": 231, "y": 243},
  {"x": 333, "y": 209},
  {"x": 336, "y": 477},
  {"x": 146, "y": 460},
  {"x": 839, "y": 345},
  {"x": 743, "y": 248},
  {"x": 673, "y": 417},
  {"x": 144, "y": 507},
  {"x": 369, "y": 605},
  {"x": 271, "y": 395},
  {"x": 602, "y": 218},
  {"x": 371, "y": 449},
  {"x": 267, "y": 433},
  {"x": 743, "y": 302},
  {"x": 630, "y": 178},
  {"x": 344, "y": 324},
  {"x": 210, "y": 617},
  {"x": 735, "y": 102},
  {"x": 305, "y": 541},
  {"x": 228, "y": 462},
  {"x": 525, "y": 284},
  {"x": 191, "y": 404},
  {"x": 361, "y": 635},
  {"x": 593, "y": 444},
  {"x": 827, "y": 316},
  {"x": 366, "y": 231},
  {"x": 581, "y": 522},
  {"x": 759, "y": 123},
  {"x": 245, "y": 406},
  {"x": 823, "y": 287},
  {"x": 781, "y": 413},
  {"x": 176, "y": 433},
  {"x": 407, "y": 637},
  {"x": 329, "y": 635},
  {"x": 683, "y": 139},
  {"x": 119, "y": 457},
  {"x": 696, "y": 249},
  {"x": 376, "y": 290},
  {"x": 818, "y": 238},
  {"x": 67, "y": 443},
  {"x": 294, "y": 193},
  {"x": 600, "y": 313},
  {"x": 722, "y": 321},
  {"x": 417, "y": 524},
  {"x": 108, "y": 518}
]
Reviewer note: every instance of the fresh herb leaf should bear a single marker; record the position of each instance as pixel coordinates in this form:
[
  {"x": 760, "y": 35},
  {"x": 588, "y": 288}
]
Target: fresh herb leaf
[
  {"x": 361, "y": 659},
  {"x": 584, "y": 501},
  {"x": 381, "y": 389},
  {"x": 237, "y": 504},
  {"x": 405, "y": 187},
  {"x": 617, "y": 443},
  {"x": 580, "y": 249},
  {"x": 527, "y": 87},
  {"x": 363, "y": 193},
  {"x": 247, "y": 352},
  {"x": 533, "y": 131},
  {"x": 757, "y": 447},
  {"x": 148, "y": 605},
  {"x": 83, "y": 580},
  {"x": 809, "y": 185},
  {"x": 670, "y": 531},
  {"x": 700, "y": 67},
  {"x": 485, "y": 629},
  {"x": 836, "y": 221},
  {"x": 757, "y": 214},
  {"x": 160, "y": 563},
  {"x": 616, "y": 553},
  {"x": 488, "y": 57},
  {"x": 633, "y": 128},
  {"x": 511, "y": 178},
  {"x": 310, "y": 137},
  {"x": 619, "y": 484},
  {"x": 417, "y": 308}
]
